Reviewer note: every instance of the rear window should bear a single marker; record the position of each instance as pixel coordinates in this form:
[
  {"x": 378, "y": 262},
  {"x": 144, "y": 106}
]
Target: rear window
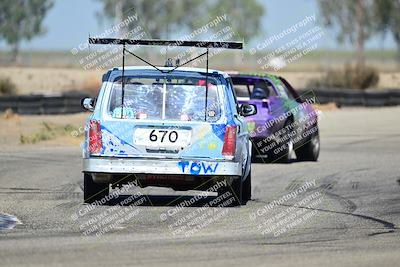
[{"x": 165, "y": 98}]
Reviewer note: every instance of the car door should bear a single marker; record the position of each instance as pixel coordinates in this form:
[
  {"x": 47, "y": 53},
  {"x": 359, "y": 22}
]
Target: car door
[{"x": 293, "y": 103}]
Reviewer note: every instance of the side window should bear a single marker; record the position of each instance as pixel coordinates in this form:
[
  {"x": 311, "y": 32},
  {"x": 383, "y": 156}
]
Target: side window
[
  {"x": 282, "y": 91},
  {"x": 242, "y": 90},
  {"x": 264, "y": 85},
  {"x": 285, "y": 92},
  {"x": 291, "y": 90}
]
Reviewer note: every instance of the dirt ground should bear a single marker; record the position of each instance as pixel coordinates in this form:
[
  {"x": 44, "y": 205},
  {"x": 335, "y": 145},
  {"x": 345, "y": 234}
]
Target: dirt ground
[
  {"x": 14, "y": 126},
  {"x": 55, "y": 80},
  {"x": 50, "y": 80},
  {"x": 353, "y": 220}
]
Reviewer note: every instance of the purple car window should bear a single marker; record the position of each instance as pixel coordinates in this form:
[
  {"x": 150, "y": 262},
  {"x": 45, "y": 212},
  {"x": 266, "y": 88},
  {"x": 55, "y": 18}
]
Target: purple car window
[{"x": 252, "y": 86}]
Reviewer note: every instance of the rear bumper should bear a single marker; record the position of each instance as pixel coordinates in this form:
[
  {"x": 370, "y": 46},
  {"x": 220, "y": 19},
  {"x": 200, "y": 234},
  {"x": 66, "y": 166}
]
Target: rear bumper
[{"x": 161, "y": 166}]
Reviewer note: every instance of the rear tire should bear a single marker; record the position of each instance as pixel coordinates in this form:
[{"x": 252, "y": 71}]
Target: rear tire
[
  {"x": 310, "y": 150},
  {"x": 239, "y": 190},
  {"x": 285, "y": 148},
  {"x": 284, "y": 155},
  {"x": 93, "y": 191},
  {"x": 247, "y": 189},
  {"x": 235, "y": 190}
]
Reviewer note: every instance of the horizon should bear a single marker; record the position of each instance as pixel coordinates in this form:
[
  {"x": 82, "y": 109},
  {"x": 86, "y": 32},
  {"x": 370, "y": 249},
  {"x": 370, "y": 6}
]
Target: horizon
[{"x": 86, "y": 21}]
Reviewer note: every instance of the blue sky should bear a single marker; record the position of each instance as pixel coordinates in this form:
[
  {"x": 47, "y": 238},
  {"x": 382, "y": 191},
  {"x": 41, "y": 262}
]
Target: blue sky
[{"x": 70, "y": 22}]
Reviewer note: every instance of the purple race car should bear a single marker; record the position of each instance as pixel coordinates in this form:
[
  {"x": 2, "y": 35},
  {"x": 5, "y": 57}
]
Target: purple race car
[{"x": 284, "y": 123}]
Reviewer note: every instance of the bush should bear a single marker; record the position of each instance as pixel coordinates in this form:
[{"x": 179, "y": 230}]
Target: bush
[
  {"x": 9, "y": 114},
  {"x": 91, "y": 86},
  {"x": 350, "y": 77},
  {"x": 7, "y": 87}
]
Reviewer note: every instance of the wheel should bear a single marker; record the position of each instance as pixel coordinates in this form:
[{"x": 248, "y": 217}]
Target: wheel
[
  {"x": 235, "y": 190},
  {"x": 246, "y": 186},
  {"x": 309, "y": 151},
  {"x": 247, "y": 189},
  {"x": 240, "y": 191},
  {"x": 284, "y": 154},
  {"x": 93, "y": 191},
  {"x": 285, "y": 148}
]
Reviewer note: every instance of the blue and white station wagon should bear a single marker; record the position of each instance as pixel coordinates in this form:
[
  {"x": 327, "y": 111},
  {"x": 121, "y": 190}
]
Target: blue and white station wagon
[{"x": 169, "y": 126}]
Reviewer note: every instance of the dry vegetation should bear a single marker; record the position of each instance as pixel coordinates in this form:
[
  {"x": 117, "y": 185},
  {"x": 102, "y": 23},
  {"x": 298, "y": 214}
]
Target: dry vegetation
[
  {"x": 57, "y": 80},
  {"x": 348, "y": 77},
  {"x": 7, "y": 87},
  {"x": 50, "y": 80},
  {"x": 42, "y": 130}
]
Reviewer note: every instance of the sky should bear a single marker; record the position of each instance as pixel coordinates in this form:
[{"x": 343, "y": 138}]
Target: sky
[{"x": 69, "y": 23}]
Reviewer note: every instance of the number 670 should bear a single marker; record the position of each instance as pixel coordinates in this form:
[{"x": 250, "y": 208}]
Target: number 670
[{"x": 172, "y": 135}]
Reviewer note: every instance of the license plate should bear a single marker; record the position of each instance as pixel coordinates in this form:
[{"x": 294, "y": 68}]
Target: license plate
[{"x": 160, "y": 138}]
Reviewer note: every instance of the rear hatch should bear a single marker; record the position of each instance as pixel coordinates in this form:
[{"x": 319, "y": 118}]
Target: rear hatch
[{"x": 162, "y": 140}]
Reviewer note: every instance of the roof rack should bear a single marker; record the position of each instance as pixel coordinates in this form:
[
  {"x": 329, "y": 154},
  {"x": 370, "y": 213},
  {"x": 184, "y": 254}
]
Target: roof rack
[{"x": 153, "y": 42}]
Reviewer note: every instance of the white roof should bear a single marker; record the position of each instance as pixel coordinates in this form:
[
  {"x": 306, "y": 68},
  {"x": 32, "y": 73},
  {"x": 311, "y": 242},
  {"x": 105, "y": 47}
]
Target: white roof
[{"x": 127, "y": 68}]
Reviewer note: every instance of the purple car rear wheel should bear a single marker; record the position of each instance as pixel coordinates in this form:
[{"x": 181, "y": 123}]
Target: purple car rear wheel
[{"x": 309, "y": 151}]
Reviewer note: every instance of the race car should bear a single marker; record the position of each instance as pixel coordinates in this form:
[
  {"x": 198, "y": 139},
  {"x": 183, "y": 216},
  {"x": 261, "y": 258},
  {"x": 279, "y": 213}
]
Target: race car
[
  {"x": 285, "y": 122},
  {"x": 180, "y": 128}
]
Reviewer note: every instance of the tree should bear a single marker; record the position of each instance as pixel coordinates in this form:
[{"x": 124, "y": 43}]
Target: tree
[
  {"x": 353, "y": 20},
  {"x": 22, "y": 20},
  {"x": 160, "y": 18},
  {"x": 387, "y": 13},
  {"x": 244, "y": 16}
]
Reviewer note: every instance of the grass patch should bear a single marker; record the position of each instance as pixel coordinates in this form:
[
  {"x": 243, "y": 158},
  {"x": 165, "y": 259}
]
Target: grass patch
[
  {"x": 352, "y": 77},
  {"x": 50, "y": 131}
]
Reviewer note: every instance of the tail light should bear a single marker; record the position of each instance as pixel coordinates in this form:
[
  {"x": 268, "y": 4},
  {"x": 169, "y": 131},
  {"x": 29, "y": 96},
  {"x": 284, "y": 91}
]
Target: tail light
[
  {"x": 228, "y": 150},
  {"x": 95, "y": 137}
]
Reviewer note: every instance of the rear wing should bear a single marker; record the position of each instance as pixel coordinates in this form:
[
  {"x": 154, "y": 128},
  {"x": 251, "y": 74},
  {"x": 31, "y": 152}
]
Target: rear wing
[{"x": 149, "y": 42}]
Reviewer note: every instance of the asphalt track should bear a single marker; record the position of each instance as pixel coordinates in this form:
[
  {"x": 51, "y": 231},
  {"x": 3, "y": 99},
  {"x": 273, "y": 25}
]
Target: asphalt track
[{"x": 347, "y": 215}]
